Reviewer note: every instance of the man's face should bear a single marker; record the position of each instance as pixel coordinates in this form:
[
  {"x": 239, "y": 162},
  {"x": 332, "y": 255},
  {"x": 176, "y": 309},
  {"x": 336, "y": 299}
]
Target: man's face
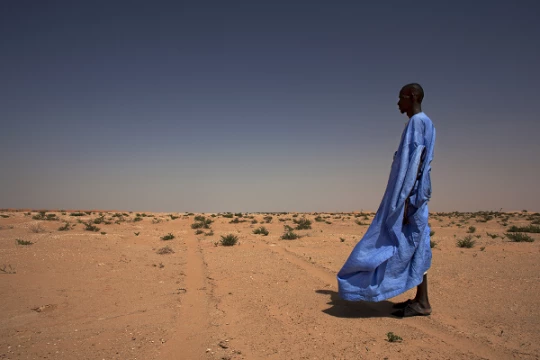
[{"x": 405, "y": 101}]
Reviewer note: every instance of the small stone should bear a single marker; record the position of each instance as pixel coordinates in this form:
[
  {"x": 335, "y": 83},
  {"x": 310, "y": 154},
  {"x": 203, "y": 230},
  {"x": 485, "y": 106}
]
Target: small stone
[{"x": 208, "y": 350}]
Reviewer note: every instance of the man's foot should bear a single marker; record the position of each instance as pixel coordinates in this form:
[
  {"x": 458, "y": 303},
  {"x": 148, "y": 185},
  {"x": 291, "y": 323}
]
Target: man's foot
[
  {"x": 402, "y": 305},
  {"x": 412, "y": 309}
]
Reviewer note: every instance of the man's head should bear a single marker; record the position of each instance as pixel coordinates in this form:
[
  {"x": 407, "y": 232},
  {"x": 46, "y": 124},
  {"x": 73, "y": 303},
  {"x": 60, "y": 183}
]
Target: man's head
[{"x": 410, "y": 99}]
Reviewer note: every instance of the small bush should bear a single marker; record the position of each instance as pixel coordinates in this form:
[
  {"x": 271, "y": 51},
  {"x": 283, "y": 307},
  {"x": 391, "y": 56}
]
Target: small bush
[
  {"x": 173, "y": 217},
  {"x": 210, "y": 233},
  {"x": 289, "y": 235},
  {"x": 36, "y": 228},
  {"x": 432, "y": 244},
  {"x": 466, "y": 242},
  {"x": 24, "y": 242},
  {"x": 137, "y": 218},
  {"x": 302, "y": 224},
  {"x": 199, "y": 218},
  {"x": 431, "y": 233},
  {"x": 261, "y": 231},
  {"x": 228, "y": 215},
  {"x": 90, "y": 227},
  {"x": 229, "y": 240},
  {"x": 493, "y": 236},
  {"x": 519, "y": 237},
  {"x": 137, "y": 233},
  {"x": 165, "y": 250},
  {"x": 358, "y": 222},
  {"x": 198, "y": 232},
  {"x": 393, "y": 337},
  {"x": 66, "y": 227},
  {"x": 169, "y": 236},
  {"x": 471, "y": 230},
  {"x": 103, "y": 233},
  {"x": 319, "y": 219},
  {"x": 268, "y": 219},
  {"x": 525, "y": 229}
]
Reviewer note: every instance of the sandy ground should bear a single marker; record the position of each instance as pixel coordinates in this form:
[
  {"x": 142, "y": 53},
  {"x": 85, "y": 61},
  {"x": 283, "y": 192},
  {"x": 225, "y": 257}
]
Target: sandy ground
[{"x": 109, "y": 294}]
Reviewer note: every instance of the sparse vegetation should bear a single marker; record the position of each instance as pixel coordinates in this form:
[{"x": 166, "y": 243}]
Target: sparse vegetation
[
  {"x": 66, "y": 227},
  {"x": 519, "y": 237},
  {"x": 201, "y": 223},
  {"x": 165, "y": 250},
  {"x": 525, "y": 229},
  {"x": 199, "y": 231},
  {"x": 358, "y": 222},
  {"x": 302, "y": 224},
  {"x": 24, "y": 242},
  {"x": 36, "y": 228},
  {"x": 471, "y": 230},
  {"x": 261, "y": 231},
  {"x": 137, "y": 233},
  {"x": 169, "y": 236},
  {"x": 268, "y": 219},
  {"x": 229, "y": 240},
  {"x": 466, "y": 242},
  {"x": 432, "y": 244},
  {"x": 431, "y": 233},
  {"x": 7, "y": 269},
  {"x": 290, "y": 235},
  {"x": 493, "y": 236},
  {"x": 90, "y": 227},
  {"x": 391, "y": 337}
]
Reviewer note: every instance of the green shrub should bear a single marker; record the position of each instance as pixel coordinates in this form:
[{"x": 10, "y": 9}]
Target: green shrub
[
  {"x": 289, "y": 235},
  {"x": 90, "y": 227},
  {"x": 261, "y": 231},
  {"x": 393, "y": 337},
  {"x": 525, "y": 229},
  {"x": 302, "y": 224},
  {"x": 66, "y": 227},
  {"x": 471, "y": 230},
  {"x": 519, "y": 237},
  {"x": 466, "y": 242},
  {"x": 229, "y": 240},
  {"x": 169, "y": 236},
  {"x": 24, "y": 242}
]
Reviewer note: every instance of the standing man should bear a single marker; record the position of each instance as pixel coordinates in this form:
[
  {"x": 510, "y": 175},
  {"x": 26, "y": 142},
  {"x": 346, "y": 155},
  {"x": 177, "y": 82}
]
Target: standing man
[{"x": 395, "y": 253}]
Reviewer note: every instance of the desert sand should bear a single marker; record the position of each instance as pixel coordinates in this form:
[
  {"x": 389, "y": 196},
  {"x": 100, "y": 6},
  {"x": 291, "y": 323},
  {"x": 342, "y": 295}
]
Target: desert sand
[{"x": 114, "y": 293}]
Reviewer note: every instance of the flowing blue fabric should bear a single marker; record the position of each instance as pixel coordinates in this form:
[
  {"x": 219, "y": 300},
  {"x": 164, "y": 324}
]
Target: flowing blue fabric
[{"x": 392, "y": 257}]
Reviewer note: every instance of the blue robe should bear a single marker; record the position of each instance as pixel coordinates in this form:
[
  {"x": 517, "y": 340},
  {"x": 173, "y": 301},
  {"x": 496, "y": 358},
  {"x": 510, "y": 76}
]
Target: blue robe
[{"x": 392, "y": 257}]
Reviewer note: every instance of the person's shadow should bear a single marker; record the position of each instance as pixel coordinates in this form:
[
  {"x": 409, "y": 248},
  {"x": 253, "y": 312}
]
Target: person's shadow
[{"x": 356, "y": 309}]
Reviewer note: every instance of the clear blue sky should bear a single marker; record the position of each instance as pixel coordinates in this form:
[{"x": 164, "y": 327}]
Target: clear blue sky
[{"x": 213, "y": 106}]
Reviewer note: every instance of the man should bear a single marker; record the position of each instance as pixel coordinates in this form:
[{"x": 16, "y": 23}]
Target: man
[{"x": 395, "y": 253}]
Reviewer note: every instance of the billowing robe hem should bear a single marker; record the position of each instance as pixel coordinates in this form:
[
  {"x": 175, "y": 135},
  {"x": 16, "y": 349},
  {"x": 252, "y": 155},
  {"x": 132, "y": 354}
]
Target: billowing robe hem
[{"x": 392, "y": 257}]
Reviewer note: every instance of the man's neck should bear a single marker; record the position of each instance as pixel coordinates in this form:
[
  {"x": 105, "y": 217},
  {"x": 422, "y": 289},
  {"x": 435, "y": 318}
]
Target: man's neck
[{"x": 415, "y": 110}]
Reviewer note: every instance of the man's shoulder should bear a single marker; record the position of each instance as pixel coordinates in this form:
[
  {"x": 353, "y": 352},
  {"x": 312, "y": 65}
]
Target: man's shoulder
[{"x": 422, "y": 118}]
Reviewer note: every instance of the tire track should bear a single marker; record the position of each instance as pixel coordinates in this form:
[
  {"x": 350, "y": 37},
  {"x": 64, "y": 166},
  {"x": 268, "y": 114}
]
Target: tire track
[
  {"x": 192, "y": 337},
  {"x": 431, "y": 327}
]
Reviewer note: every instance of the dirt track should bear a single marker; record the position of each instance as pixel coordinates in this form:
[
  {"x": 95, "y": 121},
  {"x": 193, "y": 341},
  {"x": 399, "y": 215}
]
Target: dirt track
[{"x": 80, "y": 294}]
